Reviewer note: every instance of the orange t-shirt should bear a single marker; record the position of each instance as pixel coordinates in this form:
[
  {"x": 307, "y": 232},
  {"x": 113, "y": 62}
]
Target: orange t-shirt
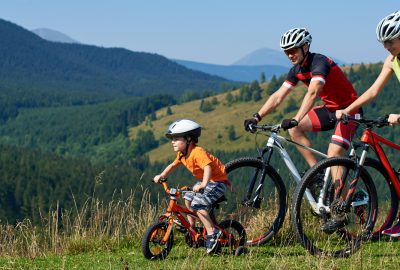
[{"x": 198, "y": 159}]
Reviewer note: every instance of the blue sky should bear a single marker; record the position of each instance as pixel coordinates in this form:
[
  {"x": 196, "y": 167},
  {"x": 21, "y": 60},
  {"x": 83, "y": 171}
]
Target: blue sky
[{"x": 210, "y": 31}]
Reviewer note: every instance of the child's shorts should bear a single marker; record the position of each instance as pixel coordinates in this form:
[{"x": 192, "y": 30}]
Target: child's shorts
[{"x": 210, "y": 194}]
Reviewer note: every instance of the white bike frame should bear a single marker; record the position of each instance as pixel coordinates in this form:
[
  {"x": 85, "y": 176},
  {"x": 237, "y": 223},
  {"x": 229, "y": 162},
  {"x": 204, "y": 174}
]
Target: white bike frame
[{"x": 275, "y": 141}]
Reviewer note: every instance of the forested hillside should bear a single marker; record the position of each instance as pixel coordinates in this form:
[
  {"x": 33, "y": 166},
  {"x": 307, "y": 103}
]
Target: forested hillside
[
  {"x": 71, "y": 114},
  {"x": 38, "y": 73}
]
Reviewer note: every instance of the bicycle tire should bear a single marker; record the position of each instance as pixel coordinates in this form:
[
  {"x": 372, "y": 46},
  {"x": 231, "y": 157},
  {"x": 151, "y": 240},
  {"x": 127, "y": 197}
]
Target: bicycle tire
[
  {"x": 360, "y": 218},
  {"x": 260, "y": 222},
  {"x": 151, "y": 247},
  {"x": 237, "y": 237},
  {"x": 387, "y": 208}
]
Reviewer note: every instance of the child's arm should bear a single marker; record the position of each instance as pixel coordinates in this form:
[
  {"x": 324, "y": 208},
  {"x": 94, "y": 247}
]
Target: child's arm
[
  {"x": 206, "y": 179},
  {"x": 170, "y": 168}
]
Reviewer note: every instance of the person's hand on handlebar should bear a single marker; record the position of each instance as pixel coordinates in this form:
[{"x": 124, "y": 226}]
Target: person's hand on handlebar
[
  {"x": 340, "y": 113},
  {"x": 158, "y": 178},
  {"x": 289, "y": 123},
  {"x": 394, "y": 119},
  {"x": 248, "y": 123}
]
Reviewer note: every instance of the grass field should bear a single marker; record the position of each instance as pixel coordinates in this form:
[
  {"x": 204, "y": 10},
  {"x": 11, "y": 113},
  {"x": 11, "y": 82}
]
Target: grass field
[{"x": 378, "y": 255}]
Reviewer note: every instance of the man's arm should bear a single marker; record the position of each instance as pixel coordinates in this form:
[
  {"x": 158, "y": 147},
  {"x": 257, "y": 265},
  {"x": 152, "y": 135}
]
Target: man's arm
[
  {"x": 309, "y": 99},
  {"x": 274, "y": 101}
]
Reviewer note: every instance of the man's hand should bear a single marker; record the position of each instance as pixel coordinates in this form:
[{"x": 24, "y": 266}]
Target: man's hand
[
  {"x": 248, "y": 123},
  {"x": 289, "y": 123}
]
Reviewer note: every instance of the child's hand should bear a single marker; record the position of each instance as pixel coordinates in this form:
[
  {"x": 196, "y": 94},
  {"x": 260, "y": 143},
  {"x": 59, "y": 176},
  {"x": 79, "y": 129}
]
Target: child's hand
[{"x": 197, "y": 188}]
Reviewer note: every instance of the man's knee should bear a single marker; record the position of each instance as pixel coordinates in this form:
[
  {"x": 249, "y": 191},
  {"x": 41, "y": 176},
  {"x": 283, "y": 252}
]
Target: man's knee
[
  {"x": 336, "y": 150},
  {"x": 296, "y": 132}
]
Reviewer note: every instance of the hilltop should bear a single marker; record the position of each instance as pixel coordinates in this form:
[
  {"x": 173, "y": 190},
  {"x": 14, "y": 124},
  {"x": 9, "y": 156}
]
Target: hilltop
[{"x": 216, "y": 124}]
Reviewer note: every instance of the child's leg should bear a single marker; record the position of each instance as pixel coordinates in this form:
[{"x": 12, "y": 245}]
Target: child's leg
[
  {"x": 202, "y": 202},
  {"x": 192, "y": 220},
  {"x": 206, "y": 220}
]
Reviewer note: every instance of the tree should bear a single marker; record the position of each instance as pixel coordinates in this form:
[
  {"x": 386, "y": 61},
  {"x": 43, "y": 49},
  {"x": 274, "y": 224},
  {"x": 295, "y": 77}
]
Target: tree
[
  {"x": 169, "y": 111},
  {"x": 231, "y": 133},
  {"x": 229, "y": 98},
  {"x": 262, "y": 77},
  {"x": 206, "y": 106},
  {"x": 144, "y": 142}
]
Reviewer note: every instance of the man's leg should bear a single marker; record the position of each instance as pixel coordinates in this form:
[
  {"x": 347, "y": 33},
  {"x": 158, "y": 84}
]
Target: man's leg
[
  {"x": 338, "y": 146},
  {"x": 298, "y": 134}
]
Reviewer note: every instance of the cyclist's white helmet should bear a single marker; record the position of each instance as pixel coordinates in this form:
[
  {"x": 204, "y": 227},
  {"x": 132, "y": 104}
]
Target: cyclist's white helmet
[
  {"x": 389, "y": 27},
  {"x": 295, "y": 38},
  {"x": 184, "y": 128}
]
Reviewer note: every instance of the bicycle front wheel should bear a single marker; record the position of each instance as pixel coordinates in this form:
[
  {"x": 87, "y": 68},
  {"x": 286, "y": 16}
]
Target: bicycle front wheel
[
  {"x": 153, "y": 247},
  {"x": 387, "y": 197},
  {"x": 261, "y": 210},
  {"x": 308, "y": 219}
]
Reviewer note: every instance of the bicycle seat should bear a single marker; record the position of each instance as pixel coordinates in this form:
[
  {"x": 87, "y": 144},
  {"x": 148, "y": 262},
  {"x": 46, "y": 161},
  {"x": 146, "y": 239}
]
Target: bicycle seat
[
  {"x": 215, "y": 205},
  {"x": 220, "y": 200}
]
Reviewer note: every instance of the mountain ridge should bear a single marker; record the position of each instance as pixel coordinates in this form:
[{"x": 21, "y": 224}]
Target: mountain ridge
[{"x": 27, "y": 61}]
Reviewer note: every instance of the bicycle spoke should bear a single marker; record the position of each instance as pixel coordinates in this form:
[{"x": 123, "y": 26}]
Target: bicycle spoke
[{"x": 358, "y": 219}]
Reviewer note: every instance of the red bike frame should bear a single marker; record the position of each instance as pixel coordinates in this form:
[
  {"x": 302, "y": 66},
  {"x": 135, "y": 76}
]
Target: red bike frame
[{"x": 374, "y": 140}]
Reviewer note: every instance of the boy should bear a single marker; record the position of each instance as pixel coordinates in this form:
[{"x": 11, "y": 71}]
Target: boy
[{"x": 206, "y": 168}]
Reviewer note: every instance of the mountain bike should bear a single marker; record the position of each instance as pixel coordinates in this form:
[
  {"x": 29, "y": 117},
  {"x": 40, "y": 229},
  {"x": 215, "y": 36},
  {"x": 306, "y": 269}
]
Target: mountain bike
[
  {"x": 356, "y": 203},
  {"x": 158, "y": 239},
  {"x": 261, "y": 206}
]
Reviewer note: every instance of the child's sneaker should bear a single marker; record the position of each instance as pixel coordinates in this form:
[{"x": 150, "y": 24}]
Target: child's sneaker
[{"x": 212, "y": 240}]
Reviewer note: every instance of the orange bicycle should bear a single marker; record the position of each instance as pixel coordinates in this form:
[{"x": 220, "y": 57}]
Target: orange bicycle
[{"x": 158, "y": 239}]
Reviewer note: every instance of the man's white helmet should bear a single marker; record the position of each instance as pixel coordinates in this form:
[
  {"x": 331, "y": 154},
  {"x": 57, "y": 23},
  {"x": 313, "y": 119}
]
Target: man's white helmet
[
  {"x": 389, "y": 27},
  {"x": 183, "y": 128},
  {"x": 295, "y": 38}
]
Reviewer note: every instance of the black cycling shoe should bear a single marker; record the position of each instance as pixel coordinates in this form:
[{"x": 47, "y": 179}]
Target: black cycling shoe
[{"x": 334, "y": 224}]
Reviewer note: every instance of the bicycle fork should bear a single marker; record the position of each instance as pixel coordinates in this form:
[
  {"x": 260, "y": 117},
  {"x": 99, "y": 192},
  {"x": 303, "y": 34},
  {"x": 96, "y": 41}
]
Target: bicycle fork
[{"x": 348, "y": 200}]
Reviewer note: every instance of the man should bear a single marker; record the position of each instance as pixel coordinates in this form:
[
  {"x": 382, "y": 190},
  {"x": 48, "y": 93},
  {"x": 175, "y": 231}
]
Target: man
[{"x": 324, "y": 79}]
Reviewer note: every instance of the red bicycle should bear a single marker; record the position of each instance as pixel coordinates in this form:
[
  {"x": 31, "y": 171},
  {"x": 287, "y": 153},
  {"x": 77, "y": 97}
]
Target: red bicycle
[
  {"x": 158, "y": 239},
  {"x": 355, "y": 199}
]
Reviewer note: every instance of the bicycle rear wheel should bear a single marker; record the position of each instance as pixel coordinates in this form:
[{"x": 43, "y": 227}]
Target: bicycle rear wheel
[
  {"x": 263, "y": 215},
  {"x": 233, "y": 237},
  {"x": 360, "y": 217}
]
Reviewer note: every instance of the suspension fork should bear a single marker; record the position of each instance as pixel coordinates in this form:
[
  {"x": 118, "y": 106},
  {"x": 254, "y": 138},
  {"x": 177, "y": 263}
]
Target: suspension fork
[
  {"x": 353, "y": 183},
  {"x": 254, "y": 178}
]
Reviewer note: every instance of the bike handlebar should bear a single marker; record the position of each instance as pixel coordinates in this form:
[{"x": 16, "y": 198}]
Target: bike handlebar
[
  {"x": 273, "y": 128},
  {"x": 173, "y": 191},
  {"x": 379, "y": 122}
]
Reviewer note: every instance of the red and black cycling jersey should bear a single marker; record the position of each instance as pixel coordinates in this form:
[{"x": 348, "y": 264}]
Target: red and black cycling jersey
[{"x": 337, "y": 92}]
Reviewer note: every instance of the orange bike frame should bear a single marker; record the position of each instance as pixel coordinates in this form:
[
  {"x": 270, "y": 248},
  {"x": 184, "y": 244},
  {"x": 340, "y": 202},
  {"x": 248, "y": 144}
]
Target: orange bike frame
[{"x": 174, "y": 209}]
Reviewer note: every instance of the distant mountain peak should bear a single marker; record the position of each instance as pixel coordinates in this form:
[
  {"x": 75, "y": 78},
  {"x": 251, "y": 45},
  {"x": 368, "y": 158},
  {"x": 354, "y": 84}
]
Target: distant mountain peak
[
  {"x": 53, "y": 35},
  {"x": 267, "y": 56},
  {"x": 264, "y": 56}
]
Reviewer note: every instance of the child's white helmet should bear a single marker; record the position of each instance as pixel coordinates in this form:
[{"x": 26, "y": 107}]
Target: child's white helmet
[
  {"x": 184, "y": 128},
  {"x": 389, "y": 27}
]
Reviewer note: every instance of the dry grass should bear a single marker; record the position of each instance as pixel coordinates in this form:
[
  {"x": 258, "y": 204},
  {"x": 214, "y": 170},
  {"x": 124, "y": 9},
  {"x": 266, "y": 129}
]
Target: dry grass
[{"x": 96, "y": 225}]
